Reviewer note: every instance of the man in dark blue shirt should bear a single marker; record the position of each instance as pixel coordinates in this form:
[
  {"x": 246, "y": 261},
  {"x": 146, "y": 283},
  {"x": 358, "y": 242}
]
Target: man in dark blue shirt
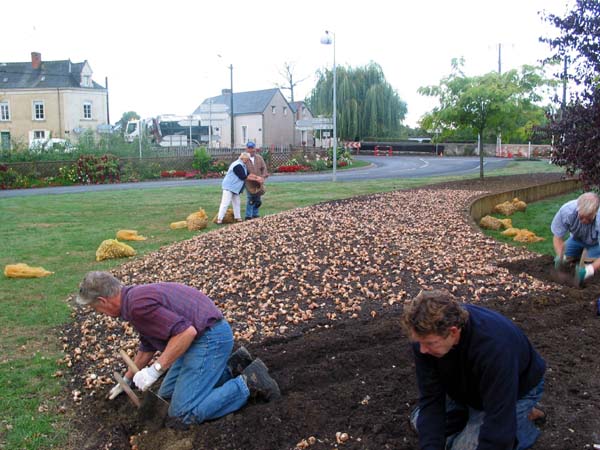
[{"x": 479, "y": 377}]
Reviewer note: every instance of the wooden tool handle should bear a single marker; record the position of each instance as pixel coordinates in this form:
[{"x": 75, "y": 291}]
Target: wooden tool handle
[
  {"x": 134, "y": 398},
  {"x": 129, "y": 362}
]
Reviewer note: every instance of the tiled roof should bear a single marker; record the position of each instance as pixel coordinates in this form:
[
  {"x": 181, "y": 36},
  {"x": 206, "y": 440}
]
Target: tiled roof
[
  {"x": 296, "y": 105},
  {"x": 252, "y": 102},
  {"x": 51, "y": 74}
]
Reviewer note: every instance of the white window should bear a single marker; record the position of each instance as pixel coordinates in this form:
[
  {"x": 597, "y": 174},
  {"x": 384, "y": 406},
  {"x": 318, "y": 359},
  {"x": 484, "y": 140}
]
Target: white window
[
  {"x": 4, "y": 111},
  {"x": 39, "y": 134},
  {"x": 285, "y": 110},
  {"x": 86, "y": 81},
  {"x": 38, "y": 111},
  {"x": 87, "y": 110},
  {"x": 273, "y": 108}
]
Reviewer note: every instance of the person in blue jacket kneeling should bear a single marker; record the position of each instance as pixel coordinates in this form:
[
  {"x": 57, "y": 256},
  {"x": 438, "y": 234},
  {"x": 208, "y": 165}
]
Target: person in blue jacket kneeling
[{"x": 479, "y": 377}]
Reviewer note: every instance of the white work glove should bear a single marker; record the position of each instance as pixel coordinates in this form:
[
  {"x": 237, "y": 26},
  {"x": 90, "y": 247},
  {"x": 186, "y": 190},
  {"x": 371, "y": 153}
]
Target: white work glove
[
  {"x": 589, "y": 271},
  {"x": 118, "y": 389},
  {"x": 146, "y": 378}
]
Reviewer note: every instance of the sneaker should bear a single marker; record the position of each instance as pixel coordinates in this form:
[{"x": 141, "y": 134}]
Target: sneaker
[
  {"x": 259, "y": 382},
  {"x": 238, "y": 220},
  {"x": 239, "y": 360}
]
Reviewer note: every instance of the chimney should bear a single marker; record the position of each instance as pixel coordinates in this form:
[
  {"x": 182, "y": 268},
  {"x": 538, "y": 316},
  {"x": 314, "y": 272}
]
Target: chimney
[
  {"x": 225, "y": 91},
  {"x": 36, "y": 60}
]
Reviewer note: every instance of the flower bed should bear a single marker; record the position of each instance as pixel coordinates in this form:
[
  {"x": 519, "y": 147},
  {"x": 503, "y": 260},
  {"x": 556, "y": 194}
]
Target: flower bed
[
  {"x": 179, "y": 174},
  {"x": 294, "y": 168}
]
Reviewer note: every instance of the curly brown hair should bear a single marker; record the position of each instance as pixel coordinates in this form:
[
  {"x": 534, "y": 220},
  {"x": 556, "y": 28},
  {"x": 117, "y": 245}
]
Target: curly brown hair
[{"x": 433, "y": 312}]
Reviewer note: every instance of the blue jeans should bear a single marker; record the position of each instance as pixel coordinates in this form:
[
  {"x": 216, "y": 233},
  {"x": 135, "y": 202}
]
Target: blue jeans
[
  {"x": 199, "y": 383},
  {"x": 468, "y": 437},
  {"x": 574, "y": 249},
  {"x": 253, "y": 202}
]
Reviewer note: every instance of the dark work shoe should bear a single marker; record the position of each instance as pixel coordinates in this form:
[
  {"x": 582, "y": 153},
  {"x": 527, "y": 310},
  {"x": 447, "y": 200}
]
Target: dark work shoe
[
  {"x": 176, "y": 423},
  {"x": 239, "y": 360},
  {"x": 259, "y": 381}
]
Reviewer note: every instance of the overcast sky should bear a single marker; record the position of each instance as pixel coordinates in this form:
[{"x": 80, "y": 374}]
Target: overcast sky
[{"x": 162, "y": 56}]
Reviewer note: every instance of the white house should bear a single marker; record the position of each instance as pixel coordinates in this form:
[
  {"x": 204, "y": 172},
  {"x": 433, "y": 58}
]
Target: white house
[{"x": 264, "y": 117}]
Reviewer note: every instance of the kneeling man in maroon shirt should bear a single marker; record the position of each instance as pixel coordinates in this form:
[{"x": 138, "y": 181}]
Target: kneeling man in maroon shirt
[{"x": 204, "y": 380}]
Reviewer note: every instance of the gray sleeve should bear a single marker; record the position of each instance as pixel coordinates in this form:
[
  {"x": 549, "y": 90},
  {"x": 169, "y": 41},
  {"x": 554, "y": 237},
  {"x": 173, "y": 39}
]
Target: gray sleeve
[{"x": 559, "y": 226}]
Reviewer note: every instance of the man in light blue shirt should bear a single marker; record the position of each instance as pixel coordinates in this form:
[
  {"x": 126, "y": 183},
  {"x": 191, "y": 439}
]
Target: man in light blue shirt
[{"x": 580, "y": 219}]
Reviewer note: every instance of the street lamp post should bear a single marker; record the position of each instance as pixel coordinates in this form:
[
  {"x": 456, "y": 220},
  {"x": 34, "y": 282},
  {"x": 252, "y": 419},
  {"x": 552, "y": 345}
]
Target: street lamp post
[
  {"x": 231, "y": 104},
  {"x": 327, "y": 39},
  {"x": 209, "y": 122}
]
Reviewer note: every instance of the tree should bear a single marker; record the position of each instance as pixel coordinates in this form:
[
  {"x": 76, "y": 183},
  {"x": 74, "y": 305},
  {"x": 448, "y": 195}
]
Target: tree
[
  {"x": 126, "y": 117},
  {"x": 575, "y": 127},
  {"x": 290, "y": 83},
  {"x": 486, "y": 103},
  {"x": 367, "y": 106}
]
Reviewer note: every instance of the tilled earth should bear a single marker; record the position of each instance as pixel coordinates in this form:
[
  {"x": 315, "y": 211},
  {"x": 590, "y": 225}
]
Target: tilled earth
[{"x": 317, "y": 293}]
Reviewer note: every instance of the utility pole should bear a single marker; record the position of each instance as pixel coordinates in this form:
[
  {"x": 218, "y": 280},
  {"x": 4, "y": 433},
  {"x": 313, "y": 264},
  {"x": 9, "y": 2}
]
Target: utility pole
[
  {"x": 107, "y": 108},
  {"x": 564, "y": 97},
  {"x": 499, "y": 58},
  {"x": 499, "y": 136}
]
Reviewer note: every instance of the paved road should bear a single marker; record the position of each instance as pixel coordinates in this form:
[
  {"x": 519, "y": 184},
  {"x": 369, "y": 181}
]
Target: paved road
[{"x": 381, "y": 167}]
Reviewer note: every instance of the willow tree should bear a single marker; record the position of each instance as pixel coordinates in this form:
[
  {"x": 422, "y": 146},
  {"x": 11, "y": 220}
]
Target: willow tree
[{"x": 367, "y": 106}]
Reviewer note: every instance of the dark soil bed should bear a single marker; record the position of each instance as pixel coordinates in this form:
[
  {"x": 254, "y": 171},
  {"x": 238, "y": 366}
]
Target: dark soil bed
[{"x": 355, "y": 375}]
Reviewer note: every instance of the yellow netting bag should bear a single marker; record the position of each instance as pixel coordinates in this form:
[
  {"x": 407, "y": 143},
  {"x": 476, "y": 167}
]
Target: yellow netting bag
[
  {"x": 129, "y": 235},
  {"x": 176, "y": 225},
  {"x": 525, "y": 235},
  {"x": 490, "y": 223},
  {"x": 111, "y": 248},
  {"x": 519, "y": 204},
  {"x": 22, "y": 270},
  {"x": 506, "y": 223},
  {"x": 510, "y": 232},
  {"x": 506, "y": 208},
  {"x": 197, "y": 220},
  {"x": 228, "y": 217}
]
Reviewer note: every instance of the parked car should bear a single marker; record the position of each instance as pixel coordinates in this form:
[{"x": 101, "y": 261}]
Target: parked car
[{"x": 52, "y": 144}]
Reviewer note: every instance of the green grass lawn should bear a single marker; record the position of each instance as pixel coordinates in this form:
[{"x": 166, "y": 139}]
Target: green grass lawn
[
  {"x": 62, "y": 232},
  {"x": 536, "y": 218}
]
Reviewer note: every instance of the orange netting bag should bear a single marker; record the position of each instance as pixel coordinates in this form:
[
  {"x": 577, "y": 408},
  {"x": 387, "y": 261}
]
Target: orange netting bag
[
  {"x": 22, "y": 270},
  {"x": 111, "y": 248}
]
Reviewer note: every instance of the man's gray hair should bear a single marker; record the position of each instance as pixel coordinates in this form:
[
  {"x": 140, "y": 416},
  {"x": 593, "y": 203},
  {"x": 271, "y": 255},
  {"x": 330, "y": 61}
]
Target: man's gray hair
[
  {"x": 97, "y": 284},
  {"x": 245, "y": 155},
  {"x": 587, "y": 204}
]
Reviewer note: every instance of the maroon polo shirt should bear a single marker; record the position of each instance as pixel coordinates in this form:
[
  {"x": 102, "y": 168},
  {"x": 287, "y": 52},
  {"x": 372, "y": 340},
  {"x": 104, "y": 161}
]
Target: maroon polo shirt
[{"x": 160, "y": 311}]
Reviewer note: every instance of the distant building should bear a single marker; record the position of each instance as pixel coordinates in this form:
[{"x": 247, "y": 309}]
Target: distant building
[
  {"x": 264, "y": 117},
  {"x": 49, "y": 99},
  {"x": 302, "y": 137}
]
